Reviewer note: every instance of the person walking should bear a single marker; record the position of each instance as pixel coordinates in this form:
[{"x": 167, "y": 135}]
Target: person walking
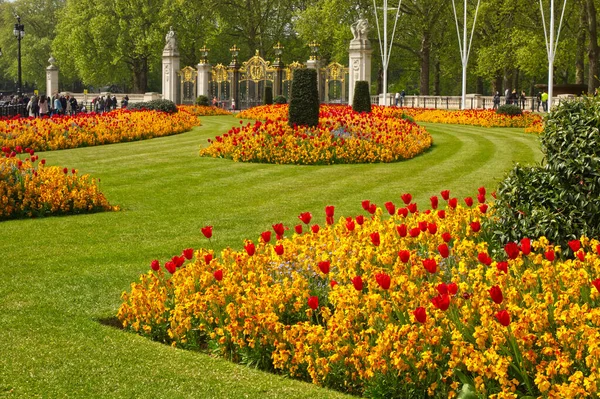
[
  {"x": 402, "y": 95},
  {"x": 545, "y": 101},
  {"x": 538, "y": 99},
  {"x": 522, "y": 99},
  {"x": 43, "y": 105},
  {"x": 496, "y": 100},
  {"x": 57, "y": 105},
  {"x": 397, "y": 97}
]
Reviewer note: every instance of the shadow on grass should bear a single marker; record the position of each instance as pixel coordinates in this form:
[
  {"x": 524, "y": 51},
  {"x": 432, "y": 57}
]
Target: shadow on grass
[{"x": 111, "y": 321}]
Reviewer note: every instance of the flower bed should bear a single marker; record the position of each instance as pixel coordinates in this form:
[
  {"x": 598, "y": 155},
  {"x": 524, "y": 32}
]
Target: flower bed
[
  {"x": 202, "y": 110},
  {"x": 342, "y": 136},
  {"x": 83, "y": 130},
  {"x": 475, "y": 117},
  {"x": 30, "y": 189},
  {"x": 388, "y": 304}
]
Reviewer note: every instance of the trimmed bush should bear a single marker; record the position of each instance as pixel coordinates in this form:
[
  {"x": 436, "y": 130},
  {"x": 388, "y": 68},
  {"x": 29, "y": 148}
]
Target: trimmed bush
[
  {"x": 202, "y": 100},
  {"x": 268, "y": 99},
  {"x": 304, "y": 102},
  {"x": 155, "y": 105},
  {"x": 362, "y": 98},
  {"x": 559, "y": 199},
  {"x": 509, "y": 109},
  {"x": 280, "y": 100}
]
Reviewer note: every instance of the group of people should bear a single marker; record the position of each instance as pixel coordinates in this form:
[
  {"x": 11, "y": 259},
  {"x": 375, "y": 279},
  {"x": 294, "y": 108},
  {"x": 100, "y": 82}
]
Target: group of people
[
  {"x": 42, "y": 105},
  {"x": 400, "y": 98},
  {"x": 107, "y": 103},
  {"x": 519, "y": 99}
]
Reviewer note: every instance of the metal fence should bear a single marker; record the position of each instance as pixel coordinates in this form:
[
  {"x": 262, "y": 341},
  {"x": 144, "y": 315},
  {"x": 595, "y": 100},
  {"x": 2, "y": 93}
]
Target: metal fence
[{"x": 12, "y": 110}]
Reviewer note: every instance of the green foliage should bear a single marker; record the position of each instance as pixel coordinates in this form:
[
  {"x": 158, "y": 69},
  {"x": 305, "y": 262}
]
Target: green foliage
[
  {"x": 509, "y": 109},
  {"x": 268, "y": 98},
  {"x": 304, "y": 102},
  {"x": 280, "y": 100},
  {"x": 362, "y": 98},
  {"x": 559, "y": 199},
  {"x": 167, "y": 106},
  {"x": 408, "y": 118},
  {"x": 202, "y": 100}
]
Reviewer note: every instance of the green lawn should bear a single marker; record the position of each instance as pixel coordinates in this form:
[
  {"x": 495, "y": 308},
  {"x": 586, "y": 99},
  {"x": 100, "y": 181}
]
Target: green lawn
[{"x": 61, "y": 275}]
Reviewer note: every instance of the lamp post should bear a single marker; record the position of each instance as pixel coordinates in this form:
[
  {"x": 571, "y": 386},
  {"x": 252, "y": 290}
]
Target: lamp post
[
  {"x": 314, "y": 50},
  {"x": 234, "y": 68},
  {"x": 204, "y": 53},
  {"x": 19, "y": 32}
]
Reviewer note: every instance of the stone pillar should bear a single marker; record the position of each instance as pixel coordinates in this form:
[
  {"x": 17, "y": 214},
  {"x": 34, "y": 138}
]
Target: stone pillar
[
  {"x": 360, "y": 58},
  {"x": 204, "y": 71},
  {"x": 51, "y": 78},
  {"x": 170, "y": 67},
  {"x": 278, "y": 82}
]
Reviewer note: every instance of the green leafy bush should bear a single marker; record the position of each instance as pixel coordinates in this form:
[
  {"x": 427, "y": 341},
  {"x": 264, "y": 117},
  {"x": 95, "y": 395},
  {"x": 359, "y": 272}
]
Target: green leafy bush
[
  {"x": 280, "y": 100},
  {"x": 362, "y": 98},
  {"x": 268, "y": 99},
  {"x": 509, "y": 109},
  {"x": 408, "y": 118},
  {"x": 156, "y": 105},
  {"x": 559, "y": 199},
  {"x": 202, "y": 100},
  {"x": 304, "y": 102}
]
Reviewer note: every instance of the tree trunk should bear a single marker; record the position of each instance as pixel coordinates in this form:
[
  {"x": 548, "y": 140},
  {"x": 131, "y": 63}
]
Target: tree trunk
[
  {"x": 425, "y": 59},
  {"x": 580, "y": 50},
  {"x": 497, "y": 84},
  {"x": 593, "y": 47},
  {"x": 436, "y": 77},
  {"x": 479, "y": 85},
  {"x": 140, "y": 76}
]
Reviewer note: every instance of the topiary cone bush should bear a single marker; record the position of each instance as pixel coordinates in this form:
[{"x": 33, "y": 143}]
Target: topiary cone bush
[
  {"x": 362, "y": 97},
  {"x": 509, "y": 109},
  {"x": 202, "y": 100},
  {"x": 304, "y": 99},
  {"x": 560, "y": 198},
  {"x": 268, "y": 99}
]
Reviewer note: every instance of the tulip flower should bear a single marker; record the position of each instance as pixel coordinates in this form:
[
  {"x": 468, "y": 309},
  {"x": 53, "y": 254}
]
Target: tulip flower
[
  {"x": 442, "y": 288},
  {"x": 383, "y": 280},
  {"x": 403, "y": 212},
  {"x": 404, "y": 255},
  {"x": 484, "y": 258},
  {"x": 218, "y": 275},
  {"x": 481, "y": 190},
  {"x": 483, "y": 208},
  {"x": 469, "y": 201},
  {"x": 279, "y": 229},
  {"x": 445, "y": 194},
  {"x": 207, "y": 231},
  {"x": 305, "y": 217},
  {"x": 372, "y": 209},
  {"x": 502, "y": 266},
  {"x": 550, "y": 255},
  {"x": 250, "y": 248},
  {"x": 315, "y": 228},
  {"x": 155, "y": 265},
  {"x": 279, "y": 249},
  {"x": 188, "y": 253},
  {"x": 475, "y": 226},
  {"x": 375, "y": 238},
  {"x": 414, "y": 232},
  {"x": 324, "y": 266},
  {"x": 503, "y": 317},
  {"x": 208, "y": 258},
  {"x": 452, "y": 288},
  {"x": 366, "y": 204},
  {"x": 406, "y": 198},
  {"x": 596, "y": 283},
  {"x": 575, "y": 245},
  {"x": 333, "y": 283},
  {"x": 266, "y": 236},
  {"x": 444, "y": 250},
  {"x": 430, "y": 265},
  {"x": 526, "y": 246},
  {"x": 412, "y": 207},
  {"x": 170, "y": 266},
  {"x": 446, "y": 237},
  {"x": 313, "y": 302},
  {"x": 298, "y": 229},
  {"x": 453, "y": 203},
  {"x": 481, "y": 198},
  {"x": 441, "y": 214},
  {"x": 402, "y": 230},
  {"x": 442, "y": 302},
  {"x": 434, "y": 202},
  {"x": 496, "y": 294},
  {"x": 420, "y": 314},
  {"x": 391, "y": 208},
  {"x": 350, "y": 226},
  {"x": 329, "y": 210},
  {"x": 432, "y": 228},
  {"x": 512, "y": 250},
  {"x": 357, "y": 283},
  {"x": 360, "y": 219}
]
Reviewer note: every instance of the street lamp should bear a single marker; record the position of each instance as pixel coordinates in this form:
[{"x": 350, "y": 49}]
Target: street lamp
[
  {"x": 19, "y": 32},
  {"x": 314, "y": 50},
  {"x": 204, "y": 53},
  {"x": 235, "y": 51}
]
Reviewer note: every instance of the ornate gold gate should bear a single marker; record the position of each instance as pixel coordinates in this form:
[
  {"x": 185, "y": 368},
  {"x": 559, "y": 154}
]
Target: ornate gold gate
[
  {"x": 220, "y": 82},
  {"x": 334, "y": 77},
  {"x": 188, "y": 77},
  {"x": 255, "y": 75},
  {"x": 288, "y": 76}
]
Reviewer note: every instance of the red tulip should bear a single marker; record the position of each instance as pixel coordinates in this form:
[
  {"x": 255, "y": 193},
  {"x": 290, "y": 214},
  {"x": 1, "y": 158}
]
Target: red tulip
[
  {"x": 469, "y": 201},
  {"x": 250, "y": 248},
  {"x": 391, "y": 208},
  {"x": 324, "y": 266},
  {"x": 442, "y": 302},
  {"x": 481, "y": 198},
  {"x": 598, "y": 249},
  {"x": 481, "y": 190},
  {"x": 432, "y": 228},
  {"x": 315, "y": 228},
  {"x": 266, "y": 236},
  {"x": 218, "y": 275},
  {"x": 496, "y": 294},
  {"x": 502, "y": 266},
  {"x": 414, "y": 232},
  {"x": 581, "y": 255},
  {"x": 403, "y": 212},
  {"x": 375, "y": 238},
  {"x": 420, "y": 314},
  {"x": 412, "y": 207},
  {"x": 503, "y": 318},
  {"x": 512, "y": 250},
  {"x": 453, "y": 203},
  {"x": 550, "y": 255},
  {"x": 305, "y": 217},
  {"x": 452, "y": 288},
  {"x": 430, "y": 265},
  {"x": 207, "y": 231},
  {"x": 484, "y": 258},
  {"x": 279, "y": 249},
  {"x": 65, "y": 171},
  {"x": 350, "y": 224},
  {"x": 434, "y": 202},
  {"x": 178, "y": 260},
  {"x": 444, "y": 250},
  {"x": 332, "y": 283},
  {"x": 445, "y": 194},
  {"x": 360, "y": 219},
  {"x": 442, "y": 288},
  {"x": 372, "y": 209},
  {"x": 383, "y": 280},
  {"x": 494, "y": 194},
  {"x": 329, "y": 210},
  {"x": 43, "y": 162},
  {"x": 170, "y": 266},
  {"x": 73, "y": 171},
  {"x": 404, "y": 255},
  {"x": 208, "y": 258},
  {"x": 475, "y": 226},
  {"x": 483, "y": 208},
  {"x": 446, "y": 237},
  {"x": 575, "y": 245},
  {"x": 313, "y": 302},
  {"x": 366, "y": 204},
  {"x": 401, "y": 230},
  {"x": 526, "y": 246},
  {"x": 357, "y": 283},
  {"x": 279, "y": 229},
  {"x": 155, "y": 265},
  {"x": 298, "y": 229},
  {"x": 596, "y": 283},
  {"x": 406, "y": 198}
]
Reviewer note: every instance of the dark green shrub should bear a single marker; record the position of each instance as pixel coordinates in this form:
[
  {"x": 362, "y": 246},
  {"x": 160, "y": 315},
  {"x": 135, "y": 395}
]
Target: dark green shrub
[
  {"x": 509, "y": 109},
  {"x": 156, "y": 105},
  {"x": 559, "y": 199},
  {"x": 304, "y": 101},
  {"x": 268, "y": 99},
  {"x": 408, "y": 118},
  {"x": 362, "y": 98},
  {"x": 280, "y": 100},
  {"x": 202, "y": 100}
]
